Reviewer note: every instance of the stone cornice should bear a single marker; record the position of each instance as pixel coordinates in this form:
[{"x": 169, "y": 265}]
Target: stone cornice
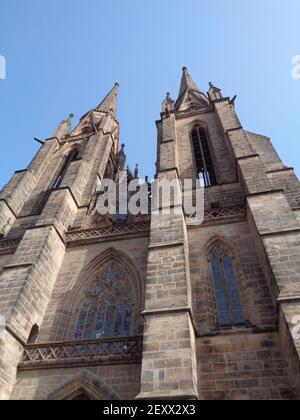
[
  {"x": 234, "y": 129},
  {"x": 226, "y": 99},
  {"x": 280, "y": 232},
  {"x": 275, "y": 171}
]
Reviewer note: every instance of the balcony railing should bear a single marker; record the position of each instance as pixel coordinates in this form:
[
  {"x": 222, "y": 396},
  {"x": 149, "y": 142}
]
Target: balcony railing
[
  {"x": 225, "y": 213},
  {"x": 82, "y": 353},
  {"x": 9, "y": 243},
  {"x": 108, "y": 231}
]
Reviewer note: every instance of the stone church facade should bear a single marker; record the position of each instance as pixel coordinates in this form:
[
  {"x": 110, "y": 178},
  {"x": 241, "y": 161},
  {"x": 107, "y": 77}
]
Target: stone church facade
[{"x": 152, "y": 307}]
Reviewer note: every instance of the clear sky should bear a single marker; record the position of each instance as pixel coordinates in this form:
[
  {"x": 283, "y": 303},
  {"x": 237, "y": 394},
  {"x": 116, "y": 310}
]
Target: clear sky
[{"x": 64, "y": 55}]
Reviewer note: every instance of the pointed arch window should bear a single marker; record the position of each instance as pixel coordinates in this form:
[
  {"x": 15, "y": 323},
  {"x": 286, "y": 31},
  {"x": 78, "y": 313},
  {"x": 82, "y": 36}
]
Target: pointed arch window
[
  {"x": 108, "y": 308},
  {"x": 204, "y": 163},
  {"x": 73, "y": 155},
  {"x": 230, "y": 312}
]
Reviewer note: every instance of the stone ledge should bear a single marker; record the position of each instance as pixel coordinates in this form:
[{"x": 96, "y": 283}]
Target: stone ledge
[
  {"x": 274, "y": 171},
  {"x": 280, "y": 232},
  {"x": 183, "y": 395},
  {"x": 167, "y": 141},
  {"x": 252, "y": 156},
  {"x": 164, "y": 311},
  {"x": 234, "y": 129},
  {"x": 15, "y": 336},
  {"x": 266, "y": 192},
  {"x": 166, "y": 245},
  {"x": 238, "y": 332},
  {"x": 288, "y": 298},
  {"x": 16, "y": 266}
]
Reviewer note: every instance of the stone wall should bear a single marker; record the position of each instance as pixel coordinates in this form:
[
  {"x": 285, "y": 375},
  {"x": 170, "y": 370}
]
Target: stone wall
[
  {"x": 244, "y": 367},
  {"x": 124, "y": 380}
]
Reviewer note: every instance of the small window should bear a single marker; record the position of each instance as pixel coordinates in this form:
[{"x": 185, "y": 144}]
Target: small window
[
  {"x": 204, "y": 164},
  {"x": 230, "y": 312}
]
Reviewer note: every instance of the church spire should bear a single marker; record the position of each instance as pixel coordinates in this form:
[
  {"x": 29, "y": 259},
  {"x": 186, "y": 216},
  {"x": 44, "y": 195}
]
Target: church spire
[
  {"x": 187, "y": 83},
  {"x": 109, "y": 103},
  {"x": 91, "y": 121},
  {"x": 189, "y": 92}
]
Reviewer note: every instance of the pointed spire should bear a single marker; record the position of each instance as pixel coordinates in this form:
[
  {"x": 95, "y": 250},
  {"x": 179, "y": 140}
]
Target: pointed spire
[
  {"x": 187, "y": 83},
  {"x": 109, "y": 103},
  {"x": 190, "y": 96}
]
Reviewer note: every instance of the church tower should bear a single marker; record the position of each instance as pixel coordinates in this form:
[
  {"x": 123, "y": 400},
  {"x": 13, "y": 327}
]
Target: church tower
[
  {"x": 152, "y": 306},
  {"x": 221, "y": 297}
]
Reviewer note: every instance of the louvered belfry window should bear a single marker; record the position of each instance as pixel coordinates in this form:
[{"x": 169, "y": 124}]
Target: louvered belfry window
[{"x": 204, "y": 163}]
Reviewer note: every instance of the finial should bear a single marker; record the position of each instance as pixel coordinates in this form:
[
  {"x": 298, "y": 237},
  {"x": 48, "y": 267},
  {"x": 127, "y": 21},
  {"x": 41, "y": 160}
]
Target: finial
[
  {"x": 71, "y": 116},
  {"x": 212, "y": 86},
  {"x": 122, "y": 158},
  {"x": 117, "y": 84},
  {"x": 136, "y": 171},
  {"x": 184, "y": 68}
]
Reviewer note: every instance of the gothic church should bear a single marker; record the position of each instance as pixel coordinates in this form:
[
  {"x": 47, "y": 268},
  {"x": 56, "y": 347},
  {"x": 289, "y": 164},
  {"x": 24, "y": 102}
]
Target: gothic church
[{"x": 152, "y": 307}]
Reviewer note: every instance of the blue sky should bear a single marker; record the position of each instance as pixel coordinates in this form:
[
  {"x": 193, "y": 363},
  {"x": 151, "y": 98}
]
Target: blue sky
[{"x": 64, "y": 55}]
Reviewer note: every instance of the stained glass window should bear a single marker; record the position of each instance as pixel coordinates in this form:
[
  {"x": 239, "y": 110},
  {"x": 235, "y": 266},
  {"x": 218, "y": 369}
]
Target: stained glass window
[
  {"x": 108, "y": 308},
  {"x": 230, "y": 312}
]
